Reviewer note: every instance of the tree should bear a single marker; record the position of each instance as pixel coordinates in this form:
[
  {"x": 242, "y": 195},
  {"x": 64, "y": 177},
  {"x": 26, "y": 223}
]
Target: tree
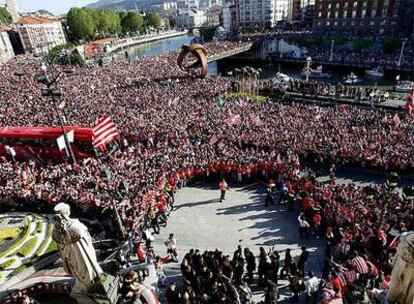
[
  {"x": 132, "y": 22},
  {"x": 391, "y": 45},
  {"x": 81, "y": 23},
  {"x": 106, "y": 21},
  {"x": 154, "y": 20},
  {"x": 362, "y": 44},
  {"x": 5, "y": 17}
]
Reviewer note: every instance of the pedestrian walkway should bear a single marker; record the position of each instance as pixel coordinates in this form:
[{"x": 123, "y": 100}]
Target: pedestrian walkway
[{"x": 202, "y": 222}]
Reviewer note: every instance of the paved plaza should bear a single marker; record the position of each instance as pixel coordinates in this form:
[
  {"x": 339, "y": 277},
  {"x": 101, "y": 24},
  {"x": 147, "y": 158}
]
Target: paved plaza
[{"x": 202, "y": 222}]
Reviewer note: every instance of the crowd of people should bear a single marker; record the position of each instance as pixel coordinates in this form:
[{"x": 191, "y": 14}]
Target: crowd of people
[
  {"x": 174, "y": 127},
  {"x": 366, "y": 57},
  {"x": 360, "y": 224},
  {"x": 316, "y": 88}
]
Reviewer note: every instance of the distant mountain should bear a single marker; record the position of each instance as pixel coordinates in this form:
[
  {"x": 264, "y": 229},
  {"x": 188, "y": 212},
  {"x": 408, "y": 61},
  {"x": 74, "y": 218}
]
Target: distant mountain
[{"x": 123, "y": 4}]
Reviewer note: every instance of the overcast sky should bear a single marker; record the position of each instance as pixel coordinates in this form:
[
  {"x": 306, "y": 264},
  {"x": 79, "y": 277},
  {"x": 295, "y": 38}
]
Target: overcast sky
[{"x": 53, "y": 6}]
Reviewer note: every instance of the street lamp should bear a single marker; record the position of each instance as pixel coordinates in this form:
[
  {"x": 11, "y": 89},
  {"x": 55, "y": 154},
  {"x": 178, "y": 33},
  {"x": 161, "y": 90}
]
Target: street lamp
[
  {"x": 50, "y": 90},
  {"x": 402, "y": 52},
  {"x": 332, "y": 47},
  {"x": 307, "y": 68}
]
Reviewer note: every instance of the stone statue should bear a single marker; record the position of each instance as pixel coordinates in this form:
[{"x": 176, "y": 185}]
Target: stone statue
[
  {"x": 402, "y": 277},
  {"x": 76, "y": 250}
]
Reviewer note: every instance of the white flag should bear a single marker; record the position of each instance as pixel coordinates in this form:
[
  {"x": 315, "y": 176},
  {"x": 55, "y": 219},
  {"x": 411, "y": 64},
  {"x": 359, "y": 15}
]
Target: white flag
[
  {"x": 61, "y": 140},
  {"x": 61, "y": 143}
]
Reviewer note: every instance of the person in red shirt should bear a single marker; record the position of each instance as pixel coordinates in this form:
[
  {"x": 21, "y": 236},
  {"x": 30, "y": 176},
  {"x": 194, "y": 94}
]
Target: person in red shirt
[
  {"x": 223, "y": 188},
  {"x": 140, "y": 253},
  {"x": 316, "y": 220}
]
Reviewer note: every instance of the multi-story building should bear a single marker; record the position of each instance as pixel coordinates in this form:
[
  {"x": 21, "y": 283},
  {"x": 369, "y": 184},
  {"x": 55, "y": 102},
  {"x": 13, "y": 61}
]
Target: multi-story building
[
  {"x": 294, "y": 12},
  {"x": 191, "y": 19},
  {"x": 406, "y": 18},
  {"x": 193, "y": 4},
  {"x": 11, "y": 7},
  {"x": 281, "y": 10},
  {"x": 39, "y": 35},
  {"x": 6, "y": 48},
  {"x": 259, "y": 14},
  {"x": 357, "y": 16},
  {"x": 230, "y": 17},
  {"x": 307, "y": 12}
]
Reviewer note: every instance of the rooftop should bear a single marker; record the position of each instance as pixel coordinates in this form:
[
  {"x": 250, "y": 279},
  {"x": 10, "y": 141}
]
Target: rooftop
[{"x": 32, "y": 20}]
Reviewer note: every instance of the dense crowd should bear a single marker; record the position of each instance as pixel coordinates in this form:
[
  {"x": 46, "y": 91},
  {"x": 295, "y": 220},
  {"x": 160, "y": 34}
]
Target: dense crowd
[
  {"x": 347, "y": 56},
  {"x": 174, "y": 127},
  {"x": 360, "y": 224},
  {"x": 321, "y": 88}
]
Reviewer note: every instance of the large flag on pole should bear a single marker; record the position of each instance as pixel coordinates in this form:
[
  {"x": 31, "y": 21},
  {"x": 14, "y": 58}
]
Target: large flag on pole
[{"x": 104, "y": 132}]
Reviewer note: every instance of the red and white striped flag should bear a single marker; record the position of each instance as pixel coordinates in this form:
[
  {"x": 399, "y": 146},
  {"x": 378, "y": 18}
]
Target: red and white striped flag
[{"x": 104, "y": 132}]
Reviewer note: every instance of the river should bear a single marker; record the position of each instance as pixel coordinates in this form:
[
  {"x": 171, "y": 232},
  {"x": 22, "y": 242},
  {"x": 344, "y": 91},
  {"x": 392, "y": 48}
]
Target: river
[{"x": 268, "y": 71}]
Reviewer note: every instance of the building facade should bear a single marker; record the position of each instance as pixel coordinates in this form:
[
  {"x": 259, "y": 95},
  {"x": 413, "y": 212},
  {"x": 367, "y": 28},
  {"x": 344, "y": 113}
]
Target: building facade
[
  {"x": 307, "y": 13},
  {"x": 191, "y": 19},
  {"x": 294, "y": 14},
  {"x": 6, "y": 48},
  {"x": 39, "y": 35},
  {"x": 230, "y": 18},
  {"x": 357, "y": 16},
  {"x": 262, "y": 14},
  {"x": 11, "y": 7},
  {"x": 281, "y": 10}
]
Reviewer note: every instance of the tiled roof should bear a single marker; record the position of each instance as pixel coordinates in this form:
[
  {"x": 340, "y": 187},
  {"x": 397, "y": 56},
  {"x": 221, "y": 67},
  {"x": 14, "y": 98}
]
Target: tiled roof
[
  {"x": 5, "y": 28},
  {"x": 26, "y": 20}
]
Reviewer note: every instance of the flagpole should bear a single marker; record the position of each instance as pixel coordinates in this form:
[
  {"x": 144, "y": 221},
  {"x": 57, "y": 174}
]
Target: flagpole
[
  {"x": 52, "y": 91},
  {"x": 65, "y": 135}
]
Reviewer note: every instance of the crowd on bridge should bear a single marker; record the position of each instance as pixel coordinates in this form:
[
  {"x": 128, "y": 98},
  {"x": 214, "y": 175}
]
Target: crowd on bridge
[
  {"x": 316, "y": 89},
  {"x": 174, "y": 127},
  {"x": 349, "y": 56}
]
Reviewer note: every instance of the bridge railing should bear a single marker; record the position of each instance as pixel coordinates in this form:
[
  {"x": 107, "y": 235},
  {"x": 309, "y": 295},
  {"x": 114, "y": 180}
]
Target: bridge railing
[{"x": 230, "y": 53}]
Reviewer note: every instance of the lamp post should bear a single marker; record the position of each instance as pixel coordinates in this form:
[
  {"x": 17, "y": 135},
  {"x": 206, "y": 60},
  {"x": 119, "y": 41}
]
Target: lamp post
[
  {"x": 307, "y": 68},
  {"x": 402, "y": 52},
  {"x": 332, "y": 47},
  {"x": 51, "y": 90}
]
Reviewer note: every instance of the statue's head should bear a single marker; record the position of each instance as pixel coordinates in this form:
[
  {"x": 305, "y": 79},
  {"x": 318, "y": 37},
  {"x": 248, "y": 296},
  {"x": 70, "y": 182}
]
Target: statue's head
[{"x": 62, "y": 210}]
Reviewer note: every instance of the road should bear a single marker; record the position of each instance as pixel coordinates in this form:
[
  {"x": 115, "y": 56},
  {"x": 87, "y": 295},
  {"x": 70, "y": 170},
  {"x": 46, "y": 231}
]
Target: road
[{"x": 202, "y": 222}]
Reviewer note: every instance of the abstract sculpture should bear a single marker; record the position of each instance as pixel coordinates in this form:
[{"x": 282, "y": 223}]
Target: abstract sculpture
[
  {"x": 402, "y": 277},
  {"x": 200, "y": 65}
]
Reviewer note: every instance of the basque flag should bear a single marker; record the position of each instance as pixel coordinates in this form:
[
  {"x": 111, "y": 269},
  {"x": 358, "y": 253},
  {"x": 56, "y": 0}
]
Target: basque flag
[{"x": 104, "y": 132}]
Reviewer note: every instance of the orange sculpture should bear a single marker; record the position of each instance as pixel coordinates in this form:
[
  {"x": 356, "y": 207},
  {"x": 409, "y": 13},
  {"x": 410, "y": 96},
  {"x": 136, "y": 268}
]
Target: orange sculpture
[{"x": 200, "y": 65}]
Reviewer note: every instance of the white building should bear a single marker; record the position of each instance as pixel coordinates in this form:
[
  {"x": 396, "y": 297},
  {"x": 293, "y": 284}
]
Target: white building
[
  {"x": 230, "y": 17},
  {"x": 164, "y": 7},
  {"x": 259, "y": 14},
  {"x": 11, "y": 7},
  {"x": 193, "y": 4},
  {"x": 191, "y": 19},
  {"x": 6, "y": 48},
  {"x": 39, "y": 35},
  {"x": 281, "y": 10}
]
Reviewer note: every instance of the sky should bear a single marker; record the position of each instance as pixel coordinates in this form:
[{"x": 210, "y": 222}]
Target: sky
[{"x": 53, "y": 6}]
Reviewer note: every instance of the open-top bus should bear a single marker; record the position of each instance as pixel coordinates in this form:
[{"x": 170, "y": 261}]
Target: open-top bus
[{"x": 39, "y": 143}]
